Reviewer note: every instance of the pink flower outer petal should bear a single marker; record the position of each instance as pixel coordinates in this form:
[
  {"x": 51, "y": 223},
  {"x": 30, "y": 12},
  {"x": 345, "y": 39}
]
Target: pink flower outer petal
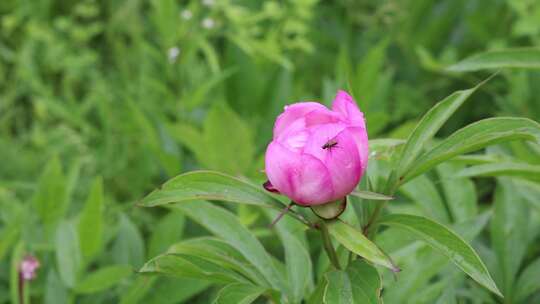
[
  {"x": 361, "y": 139},
  {"x": 342, "y": 160},
  {"x": 292, "y": 114},
  {"x": 343, "y": 103},
  {"x": 301, "y": 177}
]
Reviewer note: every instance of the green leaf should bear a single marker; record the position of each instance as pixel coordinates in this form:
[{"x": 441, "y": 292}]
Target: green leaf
[
  {"x": 187, "y": 266},
  {"x": 446, "y": 242},
  {"x": 297, "y": 258},
  {"x": 209, "y": 185},
  {"x": 431, "y": 122},
  {"x": 509, "y": 232},
  {"x": 138, "y": 289},
  {"x": 90, "y": 224},
  {"x": 8, "y": 236},
  {"x": 17, "y": 256},
  {"x": 357, "y": 242},
  {"x": 459, "y": 193},
  {"x": 520, "y": 170},
  {"x": 200, "y": 93},
  {"x": 238, "y": 294},
  {"x": 228, "y": 141},
  {"x": 368, "y": 195},
  {"x": 368, "y": 74},
  {"x": 55, "y": 291},
  {"x": 189, "y": 136},
  {"x": 360, "y": 283},
  {"x": 170, "y": 290},
  {"x": 102, "y": 279},
  {"x": 225, "y": 144},
  {"x": 317, "y": 297},
  {"x": 525, "y": 58},
  {"x": 166, "y": 232},
  {"x": 473, "y": 137},
  {"x": 50, "y": 200},
  {"x": 68, "y": 254},
  {"x": 128, "y": 249},
  {"x": 422, "y": 191},
  {"x": 219, "y": 252},
  {"x": 225, "y": 225},
  {"x": 338, "y": 289},
  {"x": 528, "y": 281}
]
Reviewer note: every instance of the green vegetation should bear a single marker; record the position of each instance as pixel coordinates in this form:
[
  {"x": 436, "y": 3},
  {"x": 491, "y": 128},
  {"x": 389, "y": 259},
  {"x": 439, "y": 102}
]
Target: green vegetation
[{"x": 101, "y": 102}]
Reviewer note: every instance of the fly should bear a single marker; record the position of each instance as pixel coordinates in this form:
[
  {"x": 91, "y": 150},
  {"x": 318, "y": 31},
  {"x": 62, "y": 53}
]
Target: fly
[{"x": 330, "y": 144}]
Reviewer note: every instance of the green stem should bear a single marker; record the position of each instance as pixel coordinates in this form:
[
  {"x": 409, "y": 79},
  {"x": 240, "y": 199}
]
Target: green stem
[
  {"x": 371, "y": 227},
  {"x": 327, "y": 243}
]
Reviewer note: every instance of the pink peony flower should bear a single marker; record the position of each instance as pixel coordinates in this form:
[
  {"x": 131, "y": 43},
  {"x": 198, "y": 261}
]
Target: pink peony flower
[{"x": 317, "y": 155}]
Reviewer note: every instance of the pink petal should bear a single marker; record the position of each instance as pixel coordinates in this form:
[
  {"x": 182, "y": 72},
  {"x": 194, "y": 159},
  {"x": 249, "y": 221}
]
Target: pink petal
[
  {"x": 294, "y": 140},
  {"x": 345, "y": 104},
  {"x": 361, "y": 139},
  {"x": 322, "y": 116},
  {"x": 301, "y": 177},
  {"x": 312, "y": 182},
  {"x": 293, "y": 116},
  {"x": 342, "y": 160}
]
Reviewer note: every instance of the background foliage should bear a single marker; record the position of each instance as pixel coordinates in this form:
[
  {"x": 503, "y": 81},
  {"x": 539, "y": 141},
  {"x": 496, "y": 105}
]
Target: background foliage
[{"x": 102, "y": 101}]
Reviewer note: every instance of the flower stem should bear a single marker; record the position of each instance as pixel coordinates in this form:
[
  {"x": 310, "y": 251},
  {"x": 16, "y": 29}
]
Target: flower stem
[
  {"x": 371, "y": 227},
  {"x": 327, "y": 244}
]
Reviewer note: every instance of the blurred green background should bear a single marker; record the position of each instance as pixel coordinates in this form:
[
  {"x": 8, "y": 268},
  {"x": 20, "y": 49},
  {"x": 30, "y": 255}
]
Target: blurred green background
[{"x": 103, "y": 100}]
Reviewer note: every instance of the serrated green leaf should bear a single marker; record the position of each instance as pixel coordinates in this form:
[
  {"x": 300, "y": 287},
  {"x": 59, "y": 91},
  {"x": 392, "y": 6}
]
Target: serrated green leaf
[
  {"x": 102, "y": 279},
  {"x": 473, "y": 137},
  {"x": 354, "y": 240},
  {"x": 525, "y": 58},
  {"x": 209, "y": 185},
  {"x": 446, "y": 242}
]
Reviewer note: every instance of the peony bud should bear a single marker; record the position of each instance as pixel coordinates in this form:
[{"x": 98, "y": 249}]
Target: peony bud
[
  {"x": 28, "y": 268},
  {"x": 317, "y": 155}
]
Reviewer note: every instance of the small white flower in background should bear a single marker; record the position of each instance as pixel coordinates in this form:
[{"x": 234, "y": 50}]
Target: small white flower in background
[
  {"x": 186, "y": 14},
  {"x": 208, "y": 2},
  {"x": 173, "y": 53},
  {"x": 28, "y": 268},
  {"x": 208, "y": 23}
]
